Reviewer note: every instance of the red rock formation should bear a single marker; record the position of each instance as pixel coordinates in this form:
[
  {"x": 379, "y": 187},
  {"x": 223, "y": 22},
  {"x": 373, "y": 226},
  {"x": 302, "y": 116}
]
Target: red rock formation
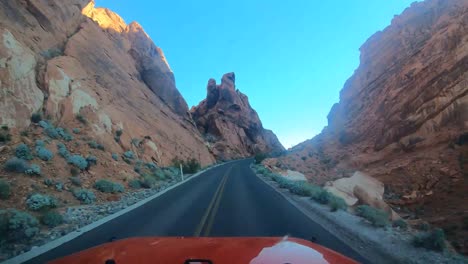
[
  {"x": 69, "y": 59},
  {"x": 229, "y": 123},
  {"x": 403, "y": 118}
]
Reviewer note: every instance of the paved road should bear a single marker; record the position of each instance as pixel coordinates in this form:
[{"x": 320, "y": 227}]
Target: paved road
[{"x": 228, "y": 200}]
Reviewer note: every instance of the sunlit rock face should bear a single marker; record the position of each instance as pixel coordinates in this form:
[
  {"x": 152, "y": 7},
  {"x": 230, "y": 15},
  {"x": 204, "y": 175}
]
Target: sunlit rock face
[
  {"x": 67, "y": 58},
  {"x": 230, "y": 125},
  {"x": 403, "y": 117}
]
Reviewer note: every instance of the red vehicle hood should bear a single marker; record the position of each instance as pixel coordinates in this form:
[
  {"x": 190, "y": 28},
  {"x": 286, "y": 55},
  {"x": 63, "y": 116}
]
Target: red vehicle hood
[{"x": 254, "y": 250}]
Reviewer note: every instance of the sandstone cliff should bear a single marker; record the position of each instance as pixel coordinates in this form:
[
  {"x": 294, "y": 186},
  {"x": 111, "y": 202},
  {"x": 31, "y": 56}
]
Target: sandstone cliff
[
  {"x": 230, "y": 125},
  {"x": 69, "y": 59},
  {"x": 403, "y": 118}
]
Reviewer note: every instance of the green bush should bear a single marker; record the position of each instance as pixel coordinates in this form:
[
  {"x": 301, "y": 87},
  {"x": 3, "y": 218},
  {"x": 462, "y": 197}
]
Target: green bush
[
  {"x": 135, "y": 184},
  {"x": 36, "y": 117},
  {"x": 33, "y": 169},
  {"x": 75, "y": 181},
  {"x": 336, "y": 203},
  {"x": 93, "y": 144},
  {"x": 107, "y": 186},
  {"x": 84, "y": 195},
  {"x": 52, "y": 219},
  {"x": 63, "y": 133},
  {"x": 129, "y": 154},
  {"x": 44, "y": 124},
  {"x": 49, "y": 182},
  {"x": 400, "y": 223},
  {"x": 38, "y": 202},
  {"x": 16, "y": 165},
  {"x": 259, "y": 158},
  {"x": 434, "y": 240},
  {"x": 82, "y": 119},
  {"x": 51, "y": 132},
  {"x": 76, "y": 130},
  {"x": 119, "y": 133},
  {"x": 44, "y": 154},
  {"x": 40, "y": 143},
  {"x": 78, "y": 161},
  {"x": 62, "y": 150},
  {"x": 74, "y": 171},
  {"x": 22, "y": 151},
  {"x": 92, "y": 160},
  {"x": 423, "y": 226},
  {"x": 322, "y": 197},
  {"x": 5, "y": 190},
  {"x": 115, "y": 156},
  {"x": 148, "y": 181},
  {"x": 17, "y": 226},
  {"x": 5, "y": 137},
  {"x": 376, "y": 216}
]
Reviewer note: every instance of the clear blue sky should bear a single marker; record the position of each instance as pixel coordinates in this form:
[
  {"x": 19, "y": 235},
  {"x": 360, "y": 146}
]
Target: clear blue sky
[{"x": 291, "y": 58}]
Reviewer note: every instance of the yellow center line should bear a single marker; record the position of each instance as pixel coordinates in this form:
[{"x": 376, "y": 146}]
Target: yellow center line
[
  {"x": 215, "y": 208},
  {"x": 213, "y": 200}
]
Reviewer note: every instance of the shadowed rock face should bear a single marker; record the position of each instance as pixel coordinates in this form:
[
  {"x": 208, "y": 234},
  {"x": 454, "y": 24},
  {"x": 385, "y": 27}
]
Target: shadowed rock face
[
  {"x": 230, "y": 124},
  {"x": 403, "y": 116}
]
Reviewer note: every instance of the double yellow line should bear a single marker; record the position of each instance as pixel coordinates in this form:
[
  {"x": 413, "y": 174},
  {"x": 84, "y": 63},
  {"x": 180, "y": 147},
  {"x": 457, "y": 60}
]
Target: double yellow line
[{"x": 212, "y": 209}]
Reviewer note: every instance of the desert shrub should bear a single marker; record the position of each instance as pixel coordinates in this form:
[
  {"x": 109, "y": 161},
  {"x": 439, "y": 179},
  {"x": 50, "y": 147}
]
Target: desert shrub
[
  {"x": 59, "y": 186},
  {"x": 63, "y": 133},
  {"x": 400, "y": 223},
  {"x": 17, "y": 226},
  {"x": 115, "y": 156},
  {"x": 136, "y": 142},
  {"x": 259, "y": 158},
  {"x": 171, "y": 172},
  {"x": 78, "y": 161},
  {"x": 148, "y": 181},
  {"x": 24, "y": 133},
  {"x": 44, "y": 124},
  {"x": 262, "y": 170},
  {"x": 38, "y": 202},
  {"x": 49, "y": 182},
  {"x": 33, "y": 169},
  {"x": 74, "y": 171},
  {"x": 135, "y": 184},
  {"x": 300, "y": 188},
  {"x": 5, "y": 190},
  {"x": 51, "y": 132},
  {"x": 16, "y": 165},
  {"x": 92, "y": 160},
  {"x": 423, "y": 226},
  {"x": 5, "y": 128},
  {"x": 76, "y": 130},
  {"x": 44, "y": 154},
  {"x": 337, "y": 203},
  {"x": 84, "y": 195},
  {"x": 159, "y": 174},
  {"x": 75, "y": 181},
  {"x": 129, "y": 154},
  {"x": 82, "y": 119},
  {"x": 322, "y": 197},
  {"x": 107, "y": 186},
  {"x": 40, "y": 143},
  {"x": 36, "y": 117},
  {"x": 5, "y": 137},
  {"x": 433, "y": 240},
  {"x": 119, "y": 132},
  {"x": 376, "y": 216},
  {"x": 52, "y": 219},
  {"x": 93, "y": 144},
  {"x": 22, "y": 151},
  {"x": 63, "y": 151},
  {"x": 191, "y": 166}
]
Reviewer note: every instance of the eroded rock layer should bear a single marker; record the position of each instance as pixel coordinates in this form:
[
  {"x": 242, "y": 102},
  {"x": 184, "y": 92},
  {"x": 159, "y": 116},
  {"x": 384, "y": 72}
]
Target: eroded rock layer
[
  {"x": 230, "y": 125},
  {"x": 403, "y": 118}
]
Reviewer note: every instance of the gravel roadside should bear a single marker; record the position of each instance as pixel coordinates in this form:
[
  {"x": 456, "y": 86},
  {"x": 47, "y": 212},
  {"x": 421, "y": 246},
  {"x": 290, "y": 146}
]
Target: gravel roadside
[{"x": 378, "y": 245}]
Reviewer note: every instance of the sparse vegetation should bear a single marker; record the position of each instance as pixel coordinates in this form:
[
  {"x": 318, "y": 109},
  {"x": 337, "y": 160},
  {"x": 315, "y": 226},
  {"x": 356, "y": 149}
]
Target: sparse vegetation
[
  {"x": 62, "y": 150},
  {"x": 423, "y": 226},
  {"x": 129, "y": 154},
  {"x": 17, "y": 226},
  {"x": 400, "y": 223},
  {"x": 5, "y": 190},
  {"x": 36, "y": 117},
  {"x": 75, "y": 181},
  {"x": 148, "y": 181},
  {"x": 74, "y": 171},
  {"x": 22, "y": 151},
  {"x": 38, "y": 202},
  {"x": 33, "y": 169},
  {"x": 107, "y": 186},
  {"x": 135, "y": 184},
  {"x": 5, "y": 135},
  {"x": 82, "y": 119},
  {"x": 115, "y": 156},
  {"x": 44, "y": 154},
  {"x": 376, "y": 216},
  {"x": 190, "y": 166},
  {"x": 118, "y": 134},
  {"x": 76, "y": 130},
  {"x": 78, "y": 161},
  {"x": 433, "y": 240},
  {"x": 52, "y": 219},
  {"x": 259, "y": 158},
  {"x": 336, "y": 203},
  {"x": 84, "y": 195},
  {"x": 93, "y": 144},
  {"x": 16, "y": 165},
  {"x": 92, "y": 160},
  {"x": 63, "y": 133}
]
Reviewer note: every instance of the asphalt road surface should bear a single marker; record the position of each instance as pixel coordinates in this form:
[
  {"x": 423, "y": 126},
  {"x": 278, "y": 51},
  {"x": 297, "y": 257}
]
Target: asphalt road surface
[{"x": 229, "y": 200}]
